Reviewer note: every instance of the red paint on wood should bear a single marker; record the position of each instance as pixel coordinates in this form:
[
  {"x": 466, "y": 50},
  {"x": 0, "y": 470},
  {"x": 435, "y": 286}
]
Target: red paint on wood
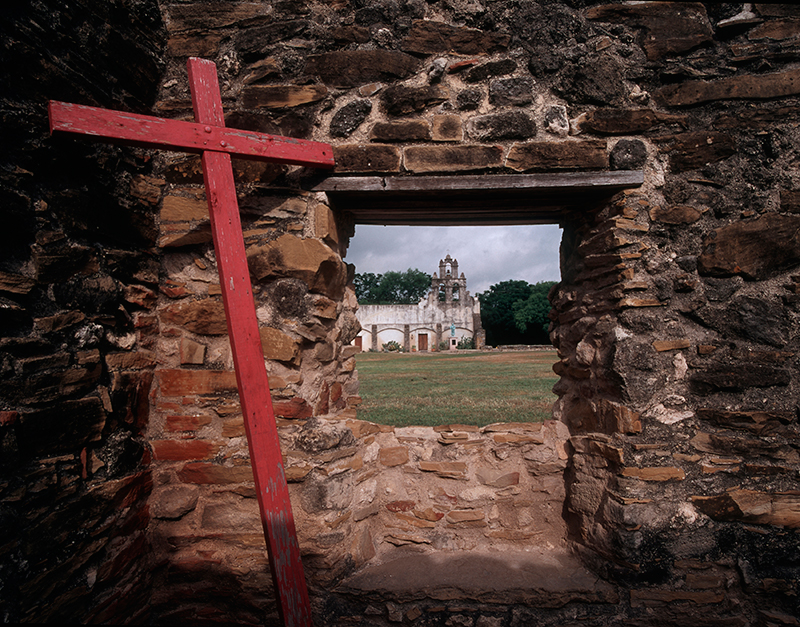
[
  {"x": 248, "y": 357},
  {"x": 145, "y": 130},
  {"x": 208, "y": 136}
]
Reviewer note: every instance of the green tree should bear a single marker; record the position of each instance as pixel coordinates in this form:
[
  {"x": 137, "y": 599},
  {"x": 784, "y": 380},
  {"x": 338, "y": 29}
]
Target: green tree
[
  {"x": 516, "y": 312},
  {"x": 532, "y": 315},
  {"x": 392, "y": 288}
]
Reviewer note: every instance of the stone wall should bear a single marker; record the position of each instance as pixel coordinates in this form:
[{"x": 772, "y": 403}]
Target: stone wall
[
  {"x": 78, "y": 278},
  {"x": 674, "y": 440}
]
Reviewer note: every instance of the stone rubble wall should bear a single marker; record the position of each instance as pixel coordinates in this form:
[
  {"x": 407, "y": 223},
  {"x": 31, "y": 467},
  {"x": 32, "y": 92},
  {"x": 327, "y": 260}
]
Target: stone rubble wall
[
  {"x": 674, "y": 319},
  {"x": 126, "y": 486}
]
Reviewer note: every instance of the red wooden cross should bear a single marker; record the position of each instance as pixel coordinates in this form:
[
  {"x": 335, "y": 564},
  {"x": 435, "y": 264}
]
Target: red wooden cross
[{"x": 209, "y": 137}]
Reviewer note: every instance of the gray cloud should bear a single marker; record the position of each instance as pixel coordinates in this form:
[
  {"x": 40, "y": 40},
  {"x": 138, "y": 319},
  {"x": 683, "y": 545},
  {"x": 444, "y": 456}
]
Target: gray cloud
[{"x": 486, "y": 255}]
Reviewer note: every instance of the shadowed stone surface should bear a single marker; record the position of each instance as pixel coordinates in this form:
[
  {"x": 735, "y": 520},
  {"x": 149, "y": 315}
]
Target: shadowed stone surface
[{"x": 542, "y": 578}]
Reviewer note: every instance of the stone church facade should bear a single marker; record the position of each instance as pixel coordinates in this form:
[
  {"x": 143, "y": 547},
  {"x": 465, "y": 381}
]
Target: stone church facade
[{"x": 446, "y": 316}]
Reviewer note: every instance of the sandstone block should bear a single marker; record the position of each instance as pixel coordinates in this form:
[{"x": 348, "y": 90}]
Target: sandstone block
[
  {"x": 612, "y": 121},
  {"x": 676, "y": 214},
  {"x": 203, "y": 473},
  {"x": 575, "y": 155},
  {"x": 464, "y": 515},
  {"x": 366, "y": 158},
  {"x": 452, "y": 158},
  {"x": 790, "y": 201},
  {"x": 671, "y": 345},
  {"x": 514, "y": 92},
  {"x": 756, "y": 249},
  {"x": 405, "y": 100},
  {"x": 487, "y": 70},
  {"x": 401, "y": 506},
  {"x": 278, "y": 345},
  {"x": 293, "y": 409},
  {"x": 239, "y": 517},
  {"x": 689, "y": 151},
  {"x": 657, "y": 473},
  {"x": 204, "y": 317},
  {"x": 173, "y": 382},
  {"x": 309, "y": 260},
  {"x": 394, "y": 456},
  {"x": 401, "y": 131},
  {"x": 752, "y": 507},
  {"x": 173, "y": 502},
  {"x": 447, "y": 128},
  {"x": 204, "y": 44},
  {"x": 496, "y": 478},
  {"x": 192, "y": 352},
  {"x": 669, "y": 27},
  {"x": 281, "y": 96},
  {"x": 501, "y": 126},
  {"x": 183, "y": 450},
  {"x": 774, "y": 85},
  {"x": 737, "y": 377},
  {"x": 430, "y": 37},
  {"x": 131, "y": 360},
  {"x": 448, "y": 470},
  {"x": 185, "y": 423},
  {"x": 351, "y": 68}
]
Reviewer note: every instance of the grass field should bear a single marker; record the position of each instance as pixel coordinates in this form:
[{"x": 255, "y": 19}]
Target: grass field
[{"x": 475, "y": 388}]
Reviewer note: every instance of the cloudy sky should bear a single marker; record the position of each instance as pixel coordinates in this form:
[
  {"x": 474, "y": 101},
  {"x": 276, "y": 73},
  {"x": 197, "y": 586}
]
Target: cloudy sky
[{"x": 486, "y": 255}]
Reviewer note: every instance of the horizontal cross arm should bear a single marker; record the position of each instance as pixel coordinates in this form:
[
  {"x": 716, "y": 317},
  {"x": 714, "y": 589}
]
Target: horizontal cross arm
[{"x": 148, "y": 131}]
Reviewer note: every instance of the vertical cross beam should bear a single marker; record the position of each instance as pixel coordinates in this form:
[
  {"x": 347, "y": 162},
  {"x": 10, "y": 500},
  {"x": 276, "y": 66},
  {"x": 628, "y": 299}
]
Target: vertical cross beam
[{"x": 251, "y": 374}]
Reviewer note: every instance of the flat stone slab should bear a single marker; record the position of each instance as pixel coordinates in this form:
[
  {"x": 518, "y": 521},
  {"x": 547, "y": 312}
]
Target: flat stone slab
[{"x": 540, "y": 578}]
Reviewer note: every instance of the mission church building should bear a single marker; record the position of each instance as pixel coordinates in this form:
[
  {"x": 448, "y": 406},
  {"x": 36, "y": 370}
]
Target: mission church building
[{"x": 448, "y": 315}]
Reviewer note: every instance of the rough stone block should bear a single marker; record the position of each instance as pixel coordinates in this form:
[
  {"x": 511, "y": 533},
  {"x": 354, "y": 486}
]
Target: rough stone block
[
  {"x": 366, "y": 158},
  {"x": 394, "y": 456},
  {"x": 451, "y": 158},
  {"x": 278, "y": 345},
  {"x": 349, "y": 118},
  {"x": 204, "y": 473},
  {"x": 613, "y": 121},
  {"x": 774, "y": 85},
  {"x": 502, "y": 126},
  {"x": 405, "y": 100},
  {"x": 281, "y": 96},
  {"x": 790, "y": 200},
  {"x": 309, "y": 260},
  {"x": 689, "y": 151},
  {"x": 65, "y": 427},
  {"x": 514, "y": 92},
  {"x": 657, "y": 473},
  {"x": 753, "y": 507},
  {"x": 628, "y": 154},
  {"x": 676, "y": 214},
  {"x": 185, "y": 423},
  {"x": 192, "y": 352},
  {"x": 756, "y": 249},
  {"x": 174, "y": 382},
  {"x": 487, "y": 70},
  {"x": 669, "y": 27},
  {"x": 204, "y": 317},
  {"x": 574, "y": 155},
  {"x": 429, "y": 37},
  {"x": 294, "y": 409},
  {"x": 401, "y": 131},
  {"x": 447, "y": 128},
  {"x": 737, "y": 377},
  {"x": 183, "y": 450},
  {"x": 352, "y": 68}
]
